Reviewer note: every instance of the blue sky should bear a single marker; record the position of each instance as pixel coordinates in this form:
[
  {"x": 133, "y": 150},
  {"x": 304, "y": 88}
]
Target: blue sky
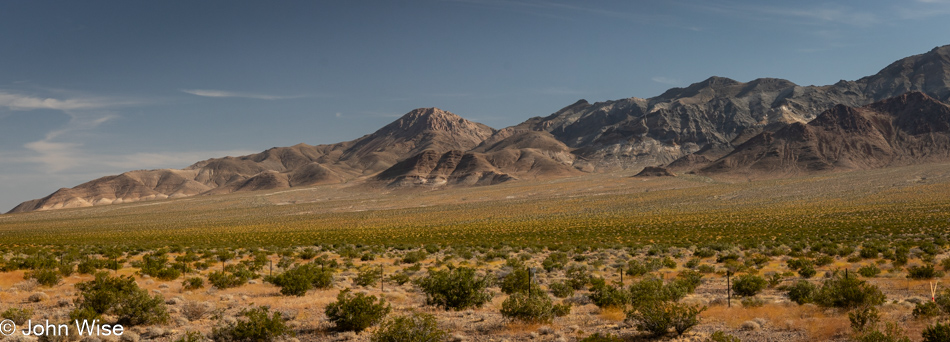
[{"x": 91, "y": 88}]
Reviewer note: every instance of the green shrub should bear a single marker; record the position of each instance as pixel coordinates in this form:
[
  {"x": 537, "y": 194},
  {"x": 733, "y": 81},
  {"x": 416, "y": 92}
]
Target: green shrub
[
  {"x": 926, "y": 310},
  {"x": 414, "y": 257},
  {"x": 258, "y": 325},
  {"x": 660, "y": 318},
  {"x": 923, "y": 272},
  {"x": 869, "y": 271},
  {"x": 636, "y": 268},
  {"x": 561, "y": 289},
  {"x": 225, "y": 280},
  {"x": 119, "y": 296},
  {"x": 720, "y": 336},
  {"x": 45, "y": 276},
  {"x": 723, "y": 258},
  {"x": 517, "y": 281},
  {"x": 937, "y": 332},
  {"x": 774, "y": 279},
  {"x": 88, "y": 266},
  {"x": 802, "y": 292},
  {"x": 415, "y": 327},
  {"x": 807, "y": 272},
  {"x": 356, "y": 312},
  {"x": 797, "y": 264},
  {"x": 555, "y": 261},
  {"x": 578, "y": 276},
  {"x": 604, "y": 295},
  {"x": 748, "y": 285},
  {"x": 704, "y": 253},
  {"x": 455, "y": 289},
  {"x": 689, "y": 280},
  {"x": 18, "y": 315},
  {"x": 945, "y": 264},
  {"x": 892, "y": 333},
  {"x": 193, "y": 283},
  {"x": 535, "y": 307},
  {"x": 400, "y": 278},
  {"x": 367, "y": 276},
  {"x": 155, "y": 265},
  {"x": 651, "y": 290},
  {"x": 66, "y": 269},
  {"x": 191, "y": 336},
  {"x": 901, "y": 256},
  {"x": 597, "y": 337},
  {"x": 848, "y": 292},
  {"x": 302, "y": 278},
  {"x": 943, "y": 301},
  {"x": 863, "y": 319},
  {"x": 824, "y": 260},
  {"x": 307, "y": 253}
]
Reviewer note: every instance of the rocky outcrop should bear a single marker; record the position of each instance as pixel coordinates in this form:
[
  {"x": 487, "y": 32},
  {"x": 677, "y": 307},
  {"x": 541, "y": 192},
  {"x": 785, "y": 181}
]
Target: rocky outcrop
[{"x": 908, "y": 129}]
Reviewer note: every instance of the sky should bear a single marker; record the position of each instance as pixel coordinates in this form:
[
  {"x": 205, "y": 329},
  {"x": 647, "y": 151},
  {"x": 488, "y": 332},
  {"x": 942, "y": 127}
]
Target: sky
[{"x": 93, "y": 88}]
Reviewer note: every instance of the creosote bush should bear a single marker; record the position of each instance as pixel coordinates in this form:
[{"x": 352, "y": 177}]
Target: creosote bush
[
  {"x": 561, "y": 290},
  {"x": 607, "y": 295},
  {"x": 356, "y": 312},
  {"x": 517, "y": 281},
  {"x": 863, "y": 319},
  {"x": 926, "y": 310},
  {"x": 119, "y": 296},
  {"x": 847, "y": 291},
  {"x": 923, "y": 272},
  {"x": 414, "y": 327},
  {"x": 535, "y": 307},
  {"x": 48, "y": 277},
  {"x": 367, "y": 276},
  {"x": 802, "y": 292},
  {"x": 258, "y": 324},
  {"x": 651, "y": 290},
  {"x": 17, "y": 315},
  {"x": 869, "y": 271},
  {"x": 302, "y": 278},
  {"x": 720, "y": 336},
  {"x": 892, "y": 333},
  {"x": 455, "y": 289},
  {"x": 937, "y": 332},
  {"x": 597, "y": 337},
  {"x": 193, "y": 283},
  {"x": 658, "y": 319},
  {"x": 748, "y": 285}
]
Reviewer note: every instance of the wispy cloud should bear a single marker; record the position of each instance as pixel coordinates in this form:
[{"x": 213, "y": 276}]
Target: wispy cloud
[
  {"x": 61, "y": 149},
  {"x": 57, "y": 155},
  {"x": 225, "y": 93},
  {"x": 666, "y": 80},
  {"x": 28, "y": 102}
]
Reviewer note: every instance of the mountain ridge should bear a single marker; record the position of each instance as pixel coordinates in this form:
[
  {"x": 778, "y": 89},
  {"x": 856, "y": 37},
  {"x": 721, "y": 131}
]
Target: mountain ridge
[{"x": 689, "y": 128}]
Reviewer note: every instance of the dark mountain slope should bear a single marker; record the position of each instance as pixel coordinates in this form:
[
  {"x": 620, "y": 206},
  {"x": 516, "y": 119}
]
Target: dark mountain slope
[{"x": 909, "y": 129}]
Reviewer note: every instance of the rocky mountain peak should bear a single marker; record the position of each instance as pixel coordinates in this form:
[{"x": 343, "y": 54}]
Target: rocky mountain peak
[{"x": 429, "y": 119}]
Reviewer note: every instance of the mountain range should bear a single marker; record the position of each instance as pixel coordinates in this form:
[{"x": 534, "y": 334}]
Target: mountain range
[{"x": 765, "y": 128}]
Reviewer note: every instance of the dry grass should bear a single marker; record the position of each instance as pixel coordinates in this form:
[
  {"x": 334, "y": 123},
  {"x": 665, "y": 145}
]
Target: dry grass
[
  {"x": 612, "y": 314},
  {"x": 813, "y": 320},
  {"x": 8, "y": 279}
]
